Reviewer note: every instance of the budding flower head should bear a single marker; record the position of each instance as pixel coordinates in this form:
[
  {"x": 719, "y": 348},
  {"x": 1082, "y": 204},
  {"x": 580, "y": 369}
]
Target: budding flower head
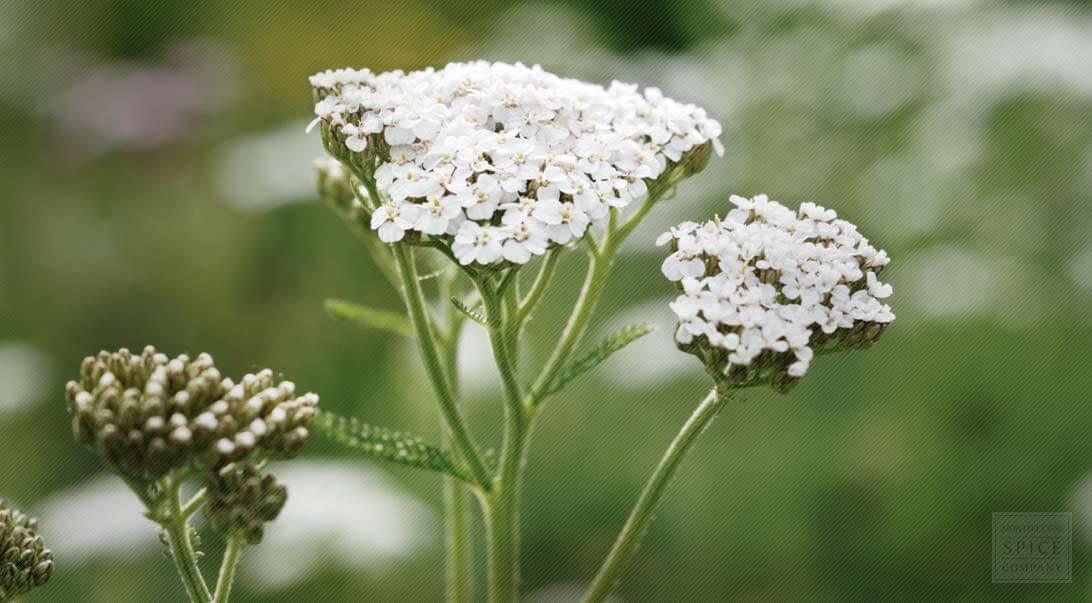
[
  {"x": 148, "y": 414},
  {"x": 24, "y": 561},
  {"x": 241, "y": 500},
  {"x": 500, "y": 162},
  {"x": 766, "y": 288}
]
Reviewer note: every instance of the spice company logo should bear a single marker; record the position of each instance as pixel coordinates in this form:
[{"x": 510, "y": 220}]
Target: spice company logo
[{"x": 1032, "y": 547}]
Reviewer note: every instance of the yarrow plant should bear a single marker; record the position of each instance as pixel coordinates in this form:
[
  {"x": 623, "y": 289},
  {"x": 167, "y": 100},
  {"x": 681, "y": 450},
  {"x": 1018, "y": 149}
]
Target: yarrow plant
[
  {"x": 494, "y": 165},
  {"x": 160, "y": 422},
  {"x": 476, "y": 172}
]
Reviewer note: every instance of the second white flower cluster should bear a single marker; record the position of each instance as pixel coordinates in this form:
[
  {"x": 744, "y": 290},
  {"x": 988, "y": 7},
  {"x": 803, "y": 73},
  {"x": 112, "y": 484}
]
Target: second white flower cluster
[
  {"x": 506, "y": 159},
  {"x": 766, "y": 278}
]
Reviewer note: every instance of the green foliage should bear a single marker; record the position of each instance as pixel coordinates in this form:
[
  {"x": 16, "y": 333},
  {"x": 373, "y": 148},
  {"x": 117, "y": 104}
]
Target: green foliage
[
  {"x": 368, "y": 318},
  {"x": 614, "y": 342},
  {"x": 471, "y": 313},
  {"x": 392, "y": 446}
]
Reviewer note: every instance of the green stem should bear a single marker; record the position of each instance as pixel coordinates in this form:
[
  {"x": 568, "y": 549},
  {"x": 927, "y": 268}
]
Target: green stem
[
  {"x": 494, "y": 313},
  {"x": 594, "y": 282},
  {"x": 185, "y": 558},
  {"x": 598, "y": 270},
  {"x": 426, "y": 343},
  {"x": 502, "y": 509},
  {"x": 641, "y": 516},
  {"x": 502, "y": 528},
  {"x": 458, "y": 537},
  {"x": 538, "y": 287},
  {"x": 232, "y": 552},
  {"x": 459, "y": 544}
]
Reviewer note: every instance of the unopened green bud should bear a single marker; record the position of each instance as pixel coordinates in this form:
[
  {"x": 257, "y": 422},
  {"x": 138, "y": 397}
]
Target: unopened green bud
[
  {"x": 24, "y": 561},
  {"x": 148, "y": 415},
  {"x": 241, "y": 500},
  {"x": 333, "y": 183}
]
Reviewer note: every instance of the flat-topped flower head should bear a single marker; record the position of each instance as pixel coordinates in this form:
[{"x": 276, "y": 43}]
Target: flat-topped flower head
[
  {"x": 148, "y": 414},
  {"x": 504, "y": 161},
  {"x": 25, "y": 563},
  {"x": 766, "y": 288}
]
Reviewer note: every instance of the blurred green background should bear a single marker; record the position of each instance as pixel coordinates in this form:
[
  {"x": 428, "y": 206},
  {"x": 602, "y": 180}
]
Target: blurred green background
[{"x": 157, "y": 188}]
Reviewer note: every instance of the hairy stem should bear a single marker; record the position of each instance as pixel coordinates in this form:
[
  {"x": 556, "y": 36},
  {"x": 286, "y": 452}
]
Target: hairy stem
[
  {"x": 538, "y": 287},
  {"x": 502, "y": 527},
  {"x": 185, "y": 558},
  {"x": 458, "y": 537},
  {"x": 232, "y": 552},
  {"x": 502, "y": 511},
  {"x": 426, "y": 343},
  {"x": 602, "y": 258},
  {"x": 641, "y": 516},
  {"x": 594, "y": 282},
  {"x": 458, "y": 543}
]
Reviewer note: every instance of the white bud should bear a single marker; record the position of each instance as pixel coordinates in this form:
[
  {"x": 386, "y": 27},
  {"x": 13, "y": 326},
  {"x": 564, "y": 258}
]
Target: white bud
[
  {"x": 219, "y": 407},
  {"x": 255, "y": 404},
  {"x": 224, "y": 446},
  {"x": 178, "y": 420},
  {"x": 107, "y": 379},
  {"x": 288, "y": 387},
  {"x": 277, "y": 416},
  {"x": 206, "y": 420},
  {"x": 181, "y": 435},
  {"x": 245, "y": 440},
  {"x": 153, "y": 424},
  {"x": 258, "y": 427},
  {"x": 83, "y": 400}
]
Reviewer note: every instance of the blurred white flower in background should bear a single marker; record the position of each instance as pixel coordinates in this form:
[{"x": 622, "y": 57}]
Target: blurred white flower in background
[
  {"x": 1007, "y": 50},
  {"x": 25, "y": 376},
  {"x": 97, "y": 519},
  {"x": 268, "y": 169},
  {"x": 1080, "y": 270},
  {"x": 342, "y": 515}
]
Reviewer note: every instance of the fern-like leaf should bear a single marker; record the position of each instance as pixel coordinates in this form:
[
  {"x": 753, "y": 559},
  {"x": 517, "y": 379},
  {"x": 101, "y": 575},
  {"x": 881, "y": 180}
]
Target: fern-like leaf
[
  {"x": 368, "y": 318},
  {"x": 392, "y": 446},
  {"x": 601, "y": 352},
  {"x": 471, "y": 313}
]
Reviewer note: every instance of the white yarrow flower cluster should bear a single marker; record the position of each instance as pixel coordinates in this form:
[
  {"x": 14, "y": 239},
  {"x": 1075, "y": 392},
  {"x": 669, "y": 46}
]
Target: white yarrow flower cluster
[
  {"x": 769, "y": 280},
  {"x": 502, "y": 161}
]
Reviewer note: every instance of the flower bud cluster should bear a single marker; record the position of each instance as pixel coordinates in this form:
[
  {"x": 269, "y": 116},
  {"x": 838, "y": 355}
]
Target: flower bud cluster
[
  {"x": 148, "y": 414},
  {"x": 500, "y": 162},
  {"x": 241, "y": 499},
  {"x": 766, "y": 288},
  {"x": 25, "y": 563}
]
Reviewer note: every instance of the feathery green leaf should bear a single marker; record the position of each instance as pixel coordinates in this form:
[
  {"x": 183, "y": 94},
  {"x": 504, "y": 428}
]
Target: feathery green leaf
[
  {"x": 392, "y": 446},
  {"x": 471, "y": 313},
  {"x": 368, "y": 318},
  {"x": 601, "y": 352}
]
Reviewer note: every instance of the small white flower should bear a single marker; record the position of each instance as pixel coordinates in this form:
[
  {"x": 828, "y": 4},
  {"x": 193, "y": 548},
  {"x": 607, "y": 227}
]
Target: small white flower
[
  {"x": 477, "y": 243},
  {"x": 392, "y": 221}
]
